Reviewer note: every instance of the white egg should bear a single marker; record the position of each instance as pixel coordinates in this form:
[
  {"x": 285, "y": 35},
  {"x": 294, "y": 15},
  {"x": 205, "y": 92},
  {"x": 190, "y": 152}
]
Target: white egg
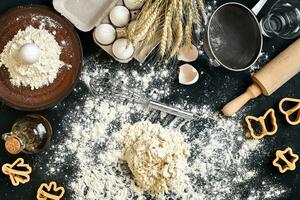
[
  {"x": 119, "y": 16},
  {"x": 133, "y": 4},
  {"x": 122, "y": 49},
  {"x": 29, "y": 53},
  {"x": 105, "y": 34},
  {"x": 188, "y": 75}
]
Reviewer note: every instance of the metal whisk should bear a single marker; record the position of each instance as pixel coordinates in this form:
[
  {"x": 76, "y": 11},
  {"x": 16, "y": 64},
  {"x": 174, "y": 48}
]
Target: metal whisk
[{"x": 102, "y": 86}]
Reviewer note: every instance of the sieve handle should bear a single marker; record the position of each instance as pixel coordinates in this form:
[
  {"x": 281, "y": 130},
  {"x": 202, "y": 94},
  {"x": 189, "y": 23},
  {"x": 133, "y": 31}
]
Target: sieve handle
[
  {"x": 170, "y": 110},
  {"x": 257, "y": 8}
]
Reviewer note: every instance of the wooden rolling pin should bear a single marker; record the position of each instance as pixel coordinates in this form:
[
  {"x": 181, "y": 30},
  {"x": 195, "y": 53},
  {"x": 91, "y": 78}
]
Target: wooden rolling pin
[{"x": 271, "y": 77}]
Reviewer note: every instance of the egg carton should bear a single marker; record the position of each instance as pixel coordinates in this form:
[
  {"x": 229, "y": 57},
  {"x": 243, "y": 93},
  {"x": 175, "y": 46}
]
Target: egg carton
[{"x": 89, "y": 14}]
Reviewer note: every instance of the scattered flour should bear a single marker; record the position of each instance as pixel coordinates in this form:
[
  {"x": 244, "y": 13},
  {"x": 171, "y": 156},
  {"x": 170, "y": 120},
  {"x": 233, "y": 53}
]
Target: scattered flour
[
  {"x": 45, "y": 21},
  {"x": 262, "y": 60},
  {"x": 221, "y": 159},
  {"x": 39, "y": 74}
]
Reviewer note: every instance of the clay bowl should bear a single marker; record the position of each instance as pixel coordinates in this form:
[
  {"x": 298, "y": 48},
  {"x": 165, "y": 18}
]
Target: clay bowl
[{"x": 23, "y": 98}]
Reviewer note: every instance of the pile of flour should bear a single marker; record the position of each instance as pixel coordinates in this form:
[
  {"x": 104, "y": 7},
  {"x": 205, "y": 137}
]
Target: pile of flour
[{"x": 39, "y": 74}]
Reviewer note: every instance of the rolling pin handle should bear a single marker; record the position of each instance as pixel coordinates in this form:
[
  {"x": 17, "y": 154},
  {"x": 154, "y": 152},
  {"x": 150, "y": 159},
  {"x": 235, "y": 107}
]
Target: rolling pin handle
[{"x": 233, "y": 106}]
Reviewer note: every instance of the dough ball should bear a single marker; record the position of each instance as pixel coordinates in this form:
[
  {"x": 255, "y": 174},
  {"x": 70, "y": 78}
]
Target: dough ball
[{"x": 156, "y": 156}]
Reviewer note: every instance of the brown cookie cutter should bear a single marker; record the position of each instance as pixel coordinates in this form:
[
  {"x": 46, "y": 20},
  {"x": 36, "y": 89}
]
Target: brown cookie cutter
[
  {"x": 45, "y": 191},
  {"x": 261, "y": 121},
  {"x": 291, "y": 111},
  {"x": 18, "y": 172},
  {"x": 289, "y": 164}
]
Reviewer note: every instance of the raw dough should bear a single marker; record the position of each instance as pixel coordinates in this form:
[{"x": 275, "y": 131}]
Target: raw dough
[{"x": 155, "y": 155}]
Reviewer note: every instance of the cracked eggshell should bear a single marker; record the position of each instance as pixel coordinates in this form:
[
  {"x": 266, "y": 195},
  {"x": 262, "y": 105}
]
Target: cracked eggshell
[
  {"x": 123, "y": 49},
  {"x": 105, "y": 34},
  {"x": 188, "y": 75},
  {"x": 188, "y": 54},
  {"x": 133, "y": 4},
  {"x": 119, "y": 16}
]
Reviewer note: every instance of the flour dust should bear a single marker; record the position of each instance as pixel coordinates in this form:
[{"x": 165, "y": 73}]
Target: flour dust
[{"x": 89, "y": 147}]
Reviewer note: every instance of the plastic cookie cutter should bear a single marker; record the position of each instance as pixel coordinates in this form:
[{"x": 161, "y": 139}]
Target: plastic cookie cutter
[
  {"x": 294, "y": 110},
  {"x": 50, "y": 192},
  {"x": 18, "y": 172},
  {"x": 262, "y": 122},
  {"x": 290, "y": 160}
]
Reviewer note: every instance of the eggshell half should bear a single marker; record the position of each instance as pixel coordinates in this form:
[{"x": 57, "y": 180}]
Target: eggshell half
[
  {"x": 188, "y": 54},
  {"x": 188, "y": 75}
]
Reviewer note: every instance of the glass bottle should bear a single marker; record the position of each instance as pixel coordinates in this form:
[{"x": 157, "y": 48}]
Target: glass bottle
[
  {"x": 30, "y": 134},
  {"x": 283, "y": 20}
]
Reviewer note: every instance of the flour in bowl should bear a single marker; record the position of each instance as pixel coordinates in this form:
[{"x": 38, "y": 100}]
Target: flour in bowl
[{"x": 39, "y": 74}]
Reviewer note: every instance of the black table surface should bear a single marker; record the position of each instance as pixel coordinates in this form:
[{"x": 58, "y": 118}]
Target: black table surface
[{"x": 288, "y": 135}]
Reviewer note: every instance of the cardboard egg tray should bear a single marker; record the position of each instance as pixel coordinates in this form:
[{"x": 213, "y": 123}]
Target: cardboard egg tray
[{"x": 88, "y": 14}]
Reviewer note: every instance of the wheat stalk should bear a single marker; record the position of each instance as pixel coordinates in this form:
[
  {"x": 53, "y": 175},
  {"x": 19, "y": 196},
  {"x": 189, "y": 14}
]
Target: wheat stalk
[
  {"x": 189, "y": 24},
  {"x": 200, "y": 6},
  {"x": 197, "y": 19},
  {"x": 167, "y": 24},
  {"x": 170, "y": 37},
  {"x": 179, "y": 30},
  {"x": 146, "y": 12},
  {"x": 152, "y": 32},
  {"x": 150, "y": 21}
]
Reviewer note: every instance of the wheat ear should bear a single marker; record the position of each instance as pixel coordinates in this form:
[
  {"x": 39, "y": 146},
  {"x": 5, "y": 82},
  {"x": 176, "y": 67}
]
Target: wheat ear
[
  {"x": 189, "y": 24},
  {"x": 202, "y": 10},
  {"x": 179, "y": 30},
  {"x": 170, "y": 37},
  {"x": 144, "y": 14},
  {"x": 197, "y": 18},
  {"x": 167, "y": 24},
  {"x": 153, "y": 31},
  {"x": 147, "y": 25}
]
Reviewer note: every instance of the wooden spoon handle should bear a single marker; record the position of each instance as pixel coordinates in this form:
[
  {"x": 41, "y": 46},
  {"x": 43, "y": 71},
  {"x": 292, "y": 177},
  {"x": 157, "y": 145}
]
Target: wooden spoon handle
[{"x": 233, "y": 106}]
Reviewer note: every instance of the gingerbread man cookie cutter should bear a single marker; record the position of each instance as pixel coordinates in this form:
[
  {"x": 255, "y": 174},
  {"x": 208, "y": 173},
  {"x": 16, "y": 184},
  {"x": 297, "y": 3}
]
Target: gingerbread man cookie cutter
[
  {"x": 50, "y": 192},
  {"x": 291, "y": 111},
  {"x": 15, "y": 173},
  {"x": 289, "y": 164},
  {"x": 262, "y": 121}
]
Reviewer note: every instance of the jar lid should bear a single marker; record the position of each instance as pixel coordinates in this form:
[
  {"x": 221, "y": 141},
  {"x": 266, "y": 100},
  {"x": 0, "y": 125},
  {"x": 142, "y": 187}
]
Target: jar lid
[{"x": 13, "y": 145}]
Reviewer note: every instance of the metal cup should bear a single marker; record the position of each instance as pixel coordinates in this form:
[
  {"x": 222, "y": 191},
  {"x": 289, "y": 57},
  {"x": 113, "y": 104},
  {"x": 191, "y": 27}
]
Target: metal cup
[{"x": 233, "y": 36}]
